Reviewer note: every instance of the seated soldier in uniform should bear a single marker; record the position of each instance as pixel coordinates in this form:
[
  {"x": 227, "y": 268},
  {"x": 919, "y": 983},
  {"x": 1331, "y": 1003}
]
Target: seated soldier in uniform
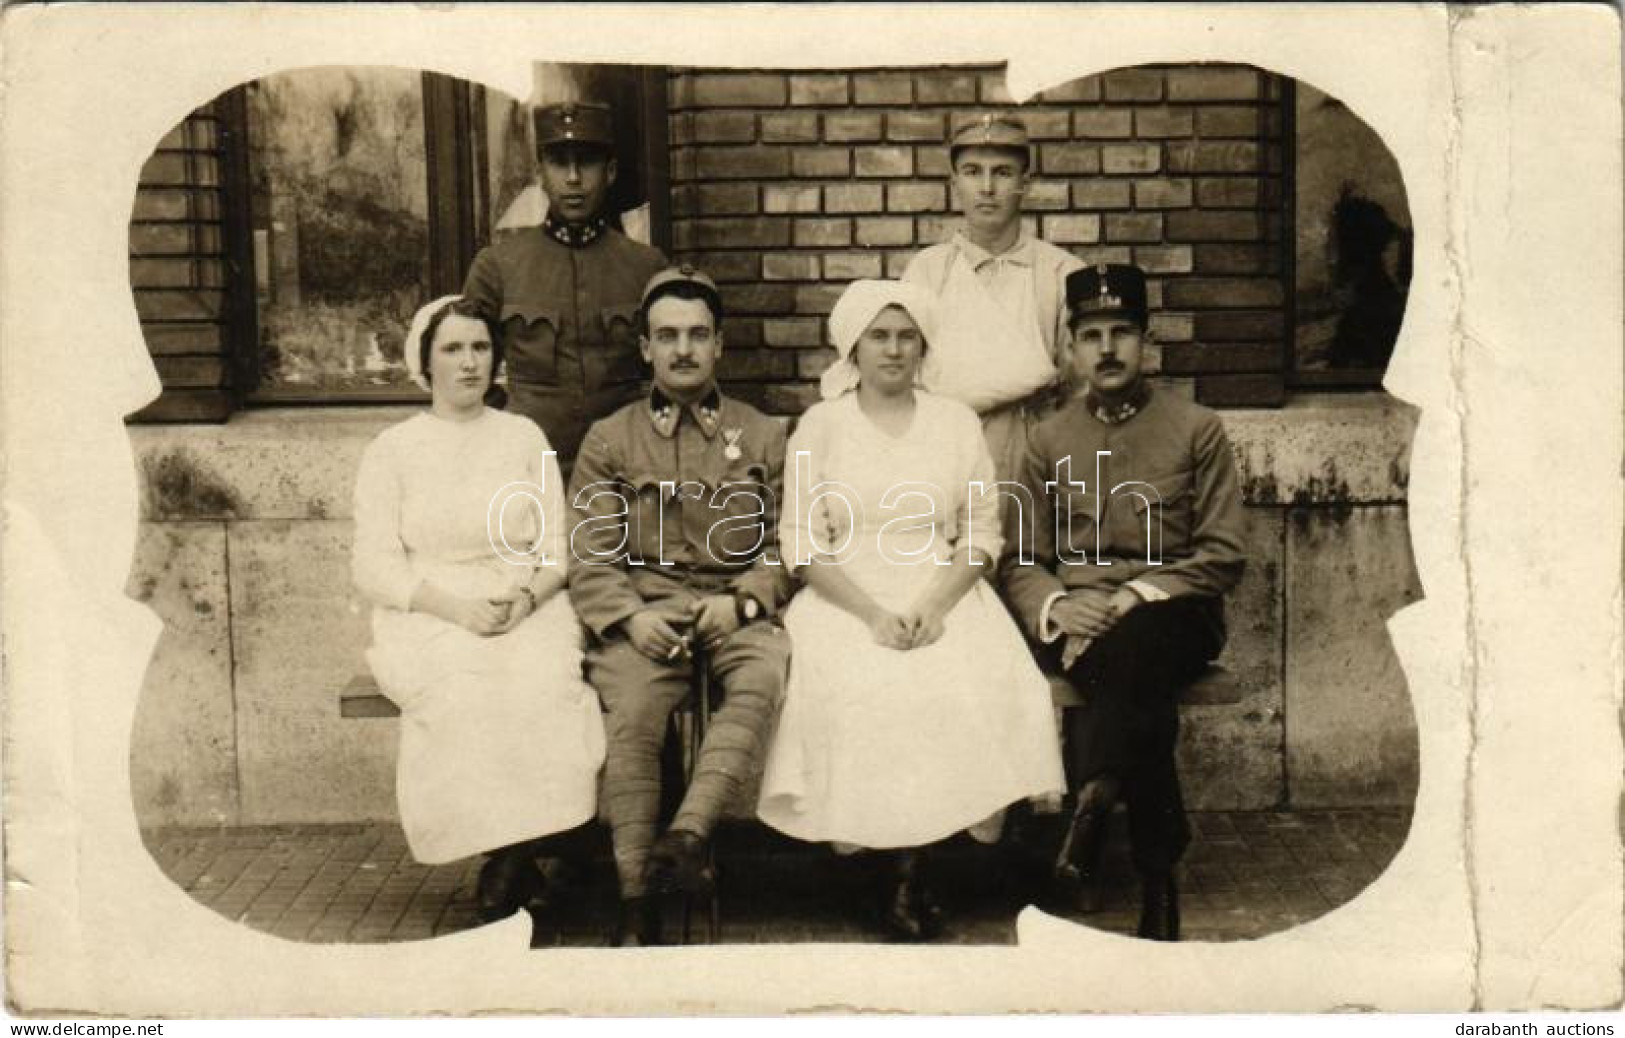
[
  {"x": 1137, "y": 539},
  {"x": 676, "y": 499}
]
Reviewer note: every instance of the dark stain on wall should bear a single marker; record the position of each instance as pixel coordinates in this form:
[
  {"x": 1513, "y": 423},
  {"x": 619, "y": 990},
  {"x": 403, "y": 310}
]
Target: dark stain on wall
[
  {"x": 1399, "y": 470},
  {"x": 1328, "y": 487},
  {"x": 1258, "y": 488},
  {"x": 179, "y": 487},
  {"x": 143, "y": 591},
  {"x": 168, "y": 793}
]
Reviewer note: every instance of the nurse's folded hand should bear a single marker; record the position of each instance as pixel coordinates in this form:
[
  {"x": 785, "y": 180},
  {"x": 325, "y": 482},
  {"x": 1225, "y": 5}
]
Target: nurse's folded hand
[
  {"x": 891, "y": 631},
  {"x": 483, "y": 616},
  {"x": 515, "y": 607},
  {"x": 925, "y": 628}
]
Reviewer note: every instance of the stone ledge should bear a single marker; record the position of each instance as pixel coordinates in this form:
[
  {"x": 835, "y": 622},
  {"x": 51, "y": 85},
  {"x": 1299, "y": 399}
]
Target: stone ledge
[
  {"x": 272, "y": 463},
  {"x": 300, "y": 463},
  {"x": 1325, "y": 449}
]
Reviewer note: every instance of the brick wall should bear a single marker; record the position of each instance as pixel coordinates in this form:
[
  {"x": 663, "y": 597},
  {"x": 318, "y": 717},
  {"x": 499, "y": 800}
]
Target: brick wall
[{"x": 786, "y": 185}]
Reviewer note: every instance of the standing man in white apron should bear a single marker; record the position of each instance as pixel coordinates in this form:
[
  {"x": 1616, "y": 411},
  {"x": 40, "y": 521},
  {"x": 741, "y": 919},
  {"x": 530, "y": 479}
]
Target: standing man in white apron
[{"x": 1001, "y": 292}]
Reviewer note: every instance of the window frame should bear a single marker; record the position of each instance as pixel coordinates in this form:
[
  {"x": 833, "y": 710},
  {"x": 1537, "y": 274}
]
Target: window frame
[
  {"x": 1332, "y": 380},
  {"x": 457, "y": 153},
  {"x": 451, "y": 153}
]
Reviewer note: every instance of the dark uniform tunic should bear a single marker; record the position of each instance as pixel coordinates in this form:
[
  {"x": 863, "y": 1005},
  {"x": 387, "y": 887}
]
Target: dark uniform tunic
[
  {"x": 567, "y": 300},
  {"x": 691, "y": 494}
]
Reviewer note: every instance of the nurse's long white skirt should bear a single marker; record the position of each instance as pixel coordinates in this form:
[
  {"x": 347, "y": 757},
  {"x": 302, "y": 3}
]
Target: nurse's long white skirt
[
  {"x": 501, "y": 739},
  {"x": 885, "y": 748}
]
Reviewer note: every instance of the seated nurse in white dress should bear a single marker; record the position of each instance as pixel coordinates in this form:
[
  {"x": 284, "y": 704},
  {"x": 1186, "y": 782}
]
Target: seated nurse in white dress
[
  {"x": 501, "y": 740},
  {"x": 914, "y": 709}
]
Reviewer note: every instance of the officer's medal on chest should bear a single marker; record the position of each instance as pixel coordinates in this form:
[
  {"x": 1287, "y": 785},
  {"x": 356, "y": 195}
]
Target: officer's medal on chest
[{"x": 730, "y": 443}]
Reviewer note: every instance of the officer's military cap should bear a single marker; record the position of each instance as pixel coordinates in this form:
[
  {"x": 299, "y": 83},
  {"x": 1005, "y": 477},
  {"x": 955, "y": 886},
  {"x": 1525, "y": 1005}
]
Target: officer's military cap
[
  {"x": 583, "y": 122},
  {"x": 1107, "y": 289},
  {"x": 1004, "y": 132},
  {"x": 667, "y": 280}
]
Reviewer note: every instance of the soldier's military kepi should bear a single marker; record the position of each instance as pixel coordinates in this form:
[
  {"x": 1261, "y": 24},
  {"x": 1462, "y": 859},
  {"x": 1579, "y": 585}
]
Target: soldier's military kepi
[
  {"x": 580, "y": 122},
  {"x": 663, "y": 282},
  {"x": 991, "y": 131},
  {"x": 1107, "y": 288}
]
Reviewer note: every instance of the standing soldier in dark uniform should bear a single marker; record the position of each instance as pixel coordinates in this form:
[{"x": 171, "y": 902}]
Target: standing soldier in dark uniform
[
  {"x": 566, "y": 293},
  {"x": 674, "y": 565},
  {"x": 1127, "y": 590}
]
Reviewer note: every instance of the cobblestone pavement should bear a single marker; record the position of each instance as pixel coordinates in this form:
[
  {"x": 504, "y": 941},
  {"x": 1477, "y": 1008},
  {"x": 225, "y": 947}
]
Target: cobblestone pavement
[{"x": 1247, "y": 874}]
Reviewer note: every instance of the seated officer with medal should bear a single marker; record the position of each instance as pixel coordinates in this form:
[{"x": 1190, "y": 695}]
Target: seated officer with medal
[
  {"x": 565, "y": 294},
  {"x": 674, "y": 567},
  {"x": 1139, "y": 536}
]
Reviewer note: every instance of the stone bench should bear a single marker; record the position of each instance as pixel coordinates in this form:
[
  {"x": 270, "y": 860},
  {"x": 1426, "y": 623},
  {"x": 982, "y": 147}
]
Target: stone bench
[
  {"x": 361, "y": 698},
  {"x": 1216, "y": 687}
]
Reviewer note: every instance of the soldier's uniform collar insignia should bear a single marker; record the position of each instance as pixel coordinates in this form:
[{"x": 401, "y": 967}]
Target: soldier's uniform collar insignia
[
  {"x": 574, "y": 235},
  {"x": 667, "y": 414},
  {"x": 1121, "y": 411}
]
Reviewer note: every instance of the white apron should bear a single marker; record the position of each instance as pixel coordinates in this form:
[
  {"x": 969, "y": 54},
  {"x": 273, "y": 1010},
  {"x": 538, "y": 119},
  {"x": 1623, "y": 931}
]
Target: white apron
[
  {"x": 879, "y": 747},
  {"x": 501, "y": 739},
  {"x": 989, "y": 358}
]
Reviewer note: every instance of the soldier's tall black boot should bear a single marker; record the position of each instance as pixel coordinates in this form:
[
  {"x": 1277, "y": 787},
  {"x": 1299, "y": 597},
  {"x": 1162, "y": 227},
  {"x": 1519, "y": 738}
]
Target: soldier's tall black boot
[
  {"x": 1077, "y": 864},
  {"x": 1159, "y": 907},
  {"x": 639, "y": 923}
]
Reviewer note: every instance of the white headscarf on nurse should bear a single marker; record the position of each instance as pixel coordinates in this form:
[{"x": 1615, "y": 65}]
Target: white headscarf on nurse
[{"x": 859, "y": 306}]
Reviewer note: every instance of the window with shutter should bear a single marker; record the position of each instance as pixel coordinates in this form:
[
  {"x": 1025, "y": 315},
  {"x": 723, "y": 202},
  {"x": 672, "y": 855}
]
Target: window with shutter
[{"x": 283, "y": 234}]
